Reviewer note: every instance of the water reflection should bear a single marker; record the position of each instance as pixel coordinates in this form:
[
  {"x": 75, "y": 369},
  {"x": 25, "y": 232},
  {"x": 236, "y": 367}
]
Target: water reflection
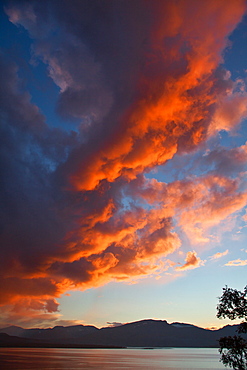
[{"x": 162, "y": 358}]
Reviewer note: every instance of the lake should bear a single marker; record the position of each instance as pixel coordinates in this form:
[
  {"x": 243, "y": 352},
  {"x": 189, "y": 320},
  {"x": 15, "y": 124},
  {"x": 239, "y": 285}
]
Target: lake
[{"x": 129, "y": 358}]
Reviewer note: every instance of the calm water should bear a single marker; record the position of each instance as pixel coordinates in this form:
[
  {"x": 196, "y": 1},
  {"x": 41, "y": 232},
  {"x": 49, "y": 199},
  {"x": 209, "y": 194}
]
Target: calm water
[{"x": 162, "y": 358}]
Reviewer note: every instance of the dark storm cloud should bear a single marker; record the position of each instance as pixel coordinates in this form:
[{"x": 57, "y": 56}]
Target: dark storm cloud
[{"x": 31, "y": 218}]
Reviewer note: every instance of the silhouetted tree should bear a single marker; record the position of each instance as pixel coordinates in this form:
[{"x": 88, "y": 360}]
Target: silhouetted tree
[{"x": 233, "y": 350}]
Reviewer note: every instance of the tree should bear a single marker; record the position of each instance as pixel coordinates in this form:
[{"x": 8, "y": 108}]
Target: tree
[{"x": 233, "y": 350}]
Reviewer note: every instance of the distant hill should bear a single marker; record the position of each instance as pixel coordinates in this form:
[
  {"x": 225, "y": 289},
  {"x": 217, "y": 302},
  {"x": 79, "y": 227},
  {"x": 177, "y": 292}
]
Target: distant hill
[
  {"x": 144, "y": 333},
  {"x": 13, "y": 330},
  {"x": 13, "y": 341}
]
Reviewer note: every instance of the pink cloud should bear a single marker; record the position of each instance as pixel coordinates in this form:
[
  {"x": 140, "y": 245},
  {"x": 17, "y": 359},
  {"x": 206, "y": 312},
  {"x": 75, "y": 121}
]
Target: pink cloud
[
  {"x": 230, "y": 112},
  {"x": 198, "y": 204},
  {"x": 245, "y": 216}
]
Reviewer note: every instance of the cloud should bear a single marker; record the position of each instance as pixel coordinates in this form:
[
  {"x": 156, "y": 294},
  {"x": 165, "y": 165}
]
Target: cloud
[
  {"x": 169, "y": 93},
  {"x": 231, "y": 110},
  {"x": 219, "y": 255},
  {"x": 29, "y": 312},
  {"x": 227, "y": 161},
  {"x": 139, "y": 83},
  {"x": 237, "y": 262},
  {"x": 192, "y": 262},
  {"x": 197, "y": 203},
  {"x": 245, "y": 216},
  {"x": 14, "y": 288},
  {"x": 114, "y": 324}
]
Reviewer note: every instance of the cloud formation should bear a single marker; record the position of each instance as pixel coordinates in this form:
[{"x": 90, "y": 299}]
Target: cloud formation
[
  {"x": 219, "y": 255},
  {"x": 114, "y": 324},
  {"x": 237, "y": 262},
  {"x": 192, "y": 262},
  {"x": 139, "y": 83}
]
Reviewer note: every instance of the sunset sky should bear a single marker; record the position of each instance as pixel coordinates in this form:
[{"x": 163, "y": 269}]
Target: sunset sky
[{"x": 122, "y": 160}]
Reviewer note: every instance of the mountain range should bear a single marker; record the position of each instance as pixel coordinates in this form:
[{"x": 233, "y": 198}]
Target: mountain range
[{"x": 144, "y": 333}]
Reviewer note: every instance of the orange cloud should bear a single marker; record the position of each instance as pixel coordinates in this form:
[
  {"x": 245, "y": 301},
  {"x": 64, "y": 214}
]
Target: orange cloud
[
  {"x": 29, "y": 313},
  {"x": 173, "y": 109},
  {"x": 192, "y": 262},
  {"x": 122, "y": 245},
  {"x": 237, "y": 262},
  {"x": 133, "y": 245},
  {"x": 14, "y": 288},
  {"x": 219, "y": 255}
]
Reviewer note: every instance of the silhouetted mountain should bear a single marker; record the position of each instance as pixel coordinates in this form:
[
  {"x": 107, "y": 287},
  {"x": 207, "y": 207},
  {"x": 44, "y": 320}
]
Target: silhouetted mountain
[
  {"x": 144, "y": 333},
  {"x": 13, "y": 330},
  {"x": 58, "y": 334},
  {"x": 14, "y": 341}
]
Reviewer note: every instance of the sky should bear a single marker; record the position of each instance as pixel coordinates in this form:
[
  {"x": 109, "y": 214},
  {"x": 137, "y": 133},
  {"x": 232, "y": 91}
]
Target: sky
[{"x": 122, "y": 160}]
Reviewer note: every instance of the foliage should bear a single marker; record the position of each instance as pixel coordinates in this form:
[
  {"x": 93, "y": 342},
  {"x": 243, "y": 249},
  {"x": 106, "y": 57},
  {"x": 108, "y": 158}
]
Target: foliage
[
  {"x": 233, "y": 304},
  {"x": 233, "y": 350}
]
